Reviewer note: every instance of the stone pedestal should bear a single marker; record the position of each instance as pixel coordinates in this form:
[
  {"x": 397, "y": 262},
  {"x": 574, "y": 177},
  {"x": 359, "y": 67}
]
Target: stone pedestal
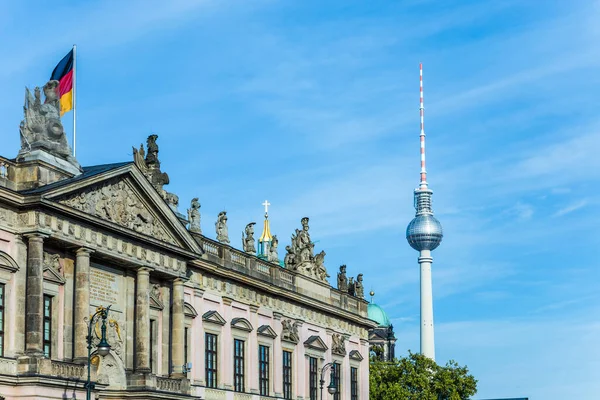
[
  {"x": 178, "y": 334},
  {"x": 142, "y": 321},
  {"x": 82, "y": 303},
  {"x": 34, "y": 300}
]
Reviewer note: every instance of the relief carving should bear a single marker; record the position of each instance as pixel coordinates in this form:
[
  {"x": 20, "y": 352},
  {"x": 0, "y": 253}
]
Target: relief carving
[
  {"x": 290, "y": 331},
  {"x": 338, "y": 344},
  {"x": 118, "y": 203}
]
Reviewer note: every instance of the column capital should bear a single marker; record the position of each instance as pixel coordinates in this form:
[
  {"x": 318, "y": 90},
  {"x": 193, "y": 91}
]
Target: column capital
[
  {"x": 83, "y": 251},
  {"x": 144, "y": 270},
  {"x": 277, "y": 316},
  {"x": 179, "y": 281},
  {"x": 37, "y": 234},
  {"x": 253, "y": 308}
]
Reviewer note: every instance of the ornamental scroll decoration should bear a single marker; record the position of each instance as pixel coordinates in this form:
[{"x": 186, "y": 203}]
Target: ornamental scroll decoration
[{"x": 118, "y": 203}]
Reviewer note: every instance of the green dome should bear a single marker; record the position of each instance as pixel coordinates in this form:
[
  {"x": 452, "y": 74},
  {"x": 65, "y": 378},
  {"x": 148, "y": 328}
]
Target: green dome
[{"x": 377, "y": 314}]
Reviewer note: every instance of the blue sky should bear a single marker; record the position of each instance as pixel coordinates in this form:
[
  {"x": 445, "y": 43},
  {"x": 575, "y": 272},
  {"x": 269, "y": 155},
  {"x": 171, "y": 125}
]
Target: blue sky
[{"x": 314, "y": 106}]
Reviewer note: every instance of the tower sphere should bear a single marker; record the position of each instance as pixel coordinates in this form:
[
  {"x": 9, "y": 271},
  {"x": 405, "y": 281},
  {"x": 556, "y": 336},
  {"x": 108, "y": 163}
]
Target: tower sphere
[{"x": 424, "y": 232}]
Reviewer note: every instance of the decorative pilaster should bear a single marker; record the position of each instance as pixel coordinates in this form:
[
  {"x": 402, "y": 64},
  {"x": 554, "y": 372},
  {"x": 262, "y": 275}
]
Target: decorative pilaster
[
  {"x": 178, "y": 335},
  {"x": 82, "y": 303},
  {"x": 142, "y": 321},
  {"x": 34, "y": 300}
]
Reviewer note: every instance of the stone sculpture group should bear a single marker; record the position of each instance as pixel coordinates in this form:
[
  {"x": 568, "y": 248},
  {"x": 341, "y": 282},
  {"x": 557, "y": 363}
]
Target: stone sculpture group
[
  {"x": 300, "y": 255},
  {"x": 350, "y": 286},
  {"x": 41, "y": 128}
]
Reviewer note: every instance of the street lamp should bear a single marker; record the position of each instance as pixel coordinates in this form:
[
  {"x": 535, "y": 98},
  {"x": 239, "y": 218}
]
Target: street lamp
[
  {"x": 331, "y": 389},
  {"x": 103, "y": 348}
]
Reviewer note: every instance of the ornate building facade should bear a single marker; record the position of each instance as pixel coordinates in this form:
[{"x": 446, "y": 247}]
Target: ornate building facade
[{"x": 189, "y": 317}]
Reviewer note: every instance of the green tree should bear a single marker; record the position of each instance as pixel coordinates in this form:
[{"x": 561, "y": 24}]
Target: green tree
[{"x": 417, "y": 377}]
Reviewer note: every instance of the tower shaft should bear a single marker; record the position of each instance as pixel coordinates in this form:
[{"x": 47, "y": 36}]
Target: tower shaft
[{"x": 427, "y": 336}]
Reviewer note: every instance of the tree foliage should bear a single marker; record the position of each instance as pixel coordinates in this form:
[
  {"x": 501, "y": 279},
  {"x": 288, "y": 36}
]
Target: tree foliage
[{"x": 417, "y": 377}]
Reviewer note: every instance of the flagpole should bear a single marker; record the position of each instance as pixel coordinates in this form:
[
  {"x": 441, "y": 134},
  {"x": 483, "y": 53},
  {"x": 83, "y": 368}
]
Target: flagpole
[{"x": 74, "y": 100}]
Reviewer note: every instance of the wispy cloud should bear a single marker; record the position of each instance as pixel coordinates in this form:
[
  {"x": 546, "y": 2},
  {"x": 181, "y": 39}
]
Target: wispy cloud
[{"x": 571, "y": 208}]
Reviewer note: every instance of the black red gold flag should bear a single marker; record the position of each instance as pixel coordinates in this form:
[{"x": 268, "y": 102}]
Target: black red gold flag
[{"x": 64, "y": 74}]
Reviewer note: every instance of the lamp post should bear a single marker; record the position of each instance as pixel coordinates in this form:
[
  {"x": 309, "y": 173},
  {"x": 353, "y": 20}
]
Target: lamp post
[
  {"x": 103, "y": 348},
  {"x": 332, "y": 389}
]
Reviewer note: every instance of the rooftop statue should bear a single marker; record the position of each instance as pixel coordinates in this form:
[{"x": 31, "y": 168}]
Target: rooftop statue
[
  {"x": 290, "y": 259},
  {"x": 41, "y": 128},
  {"x": 273, "y": 256},
  {"x": 342, "y": 280},
  {"x": 194, "y": 216},
  {"x": 221, "y": 228},
  {"x": 150, "y": 167},
  {"x": 319, "y": 269},
  {"x": 301, "y": 256},
  {"x": 248, "y": 242},
  {"x": 359, "y": 289},
  {"x": 351, "y": 286}
]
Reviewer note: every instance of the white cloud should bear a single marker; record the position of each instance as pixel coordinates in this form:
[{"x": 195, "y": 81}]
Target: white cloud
[{"x": 570, "y": 208}]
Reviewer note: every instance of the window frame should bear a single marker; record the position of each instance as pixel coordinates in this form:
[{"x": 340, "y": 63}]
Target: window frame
[
  {"x": 2, "y": 317},
  {"x": 287, "y": 361},
  {"x": 263, "y": 370},
  {"x": 313, "y": 378},
  {"x": 185, "y": 347},
  {"x": 353, "y": 383},
  {"x": 336, "y": 380},
  {"x": 47, "y": 333},
  {"x": 239, "y": 365},
  {"x": 211, "y": 371}
]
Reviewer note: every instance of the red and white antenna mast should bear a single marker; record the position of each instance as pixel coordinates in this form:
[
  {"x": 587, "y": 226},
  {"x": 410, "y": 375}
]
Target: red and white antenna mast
[{"x": 423, "y": 184}]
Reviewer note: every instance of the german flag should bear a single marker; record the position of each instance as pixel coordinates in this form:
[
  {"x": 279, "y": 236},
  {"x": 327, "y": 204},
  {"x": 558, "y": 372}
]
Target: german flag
[{"x": 64, "y": 74}]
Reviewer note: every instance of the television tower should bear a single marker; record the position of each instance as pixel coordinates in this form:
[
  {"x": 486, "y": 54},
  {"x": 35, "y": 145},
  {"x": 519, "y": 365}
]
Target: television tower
[{"x": 424, "y": 234}]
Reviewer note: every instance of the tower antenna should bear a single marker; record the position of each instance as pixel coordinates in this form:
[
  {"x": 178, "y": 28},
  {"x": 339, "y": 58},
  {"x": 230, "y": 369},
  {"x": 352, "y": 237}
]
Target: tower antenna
[{"x": 423, "y": 183}]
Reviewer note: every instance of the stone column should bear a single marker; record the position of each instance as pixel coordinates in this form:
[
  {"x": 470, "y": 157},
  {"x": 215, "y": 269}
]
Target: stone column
[
  {"x": 142, "y": 321},
  {"x": 177, "y": 329},
  {"x": 34, "y": 300},
  {"x": 82, "y": 303}
]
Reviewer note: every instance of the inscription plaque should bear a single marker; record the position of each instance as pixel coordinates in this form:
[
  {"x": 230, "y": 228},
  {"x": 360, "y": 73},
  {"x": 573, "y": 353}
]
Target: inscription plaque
[{"x": 104, "y": 287}]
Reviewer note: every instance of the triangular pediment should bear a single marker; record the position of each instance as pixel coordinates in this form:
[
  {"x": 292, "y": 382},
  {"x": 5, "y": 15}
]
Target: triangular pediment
[
  {"x": 242, "y": 324},
  {"x": 315, "y": 342},
  {"x": 53, "y": 276},
  {"x": 124, "y": 198},
  {"x": 355, "y": 355},
  {"x": 156, "y": 303},
  {"x": 214, "y": 317},
  {"x": 266, "y": 330}
]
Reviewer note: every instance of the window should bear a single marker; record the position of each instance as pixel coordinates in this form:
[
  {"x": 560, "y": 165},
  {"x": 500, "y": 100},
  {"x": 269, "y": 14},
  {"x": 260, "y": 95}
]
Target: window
[
  {"x": 287, "y": 374},
  {"x": 210, "y": 356},
  {"x": 47, "y": 326},
  {"x": 152, "y": 324},
  {"x": 312, "y": 377},
  {"x": 1, "y": 320},
  {"x": 353, "y": 383},
  {"x": 238, "y": 365},
  {"x": 336, "y": 380},
  {"x": 185, "y": 348},
  {"x": 263, "y": 365}
]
